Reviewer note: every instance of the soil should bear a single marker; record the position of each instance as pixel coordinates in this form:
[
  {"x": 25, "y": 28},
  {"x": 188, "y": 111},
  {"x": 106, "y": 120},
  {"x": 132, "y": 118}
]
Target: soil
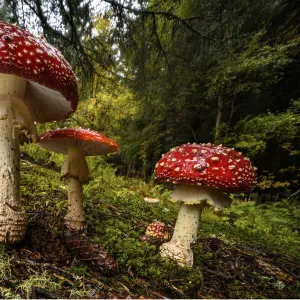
[{"x": 231, "y": 271}]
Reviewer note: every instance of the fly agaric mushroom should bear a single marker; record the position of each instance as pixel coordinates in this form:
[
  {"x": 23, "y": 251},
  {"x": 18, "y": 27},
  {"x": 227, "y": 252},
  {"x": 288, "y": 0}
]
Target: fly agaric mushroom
[
  {"x": 77, "y": 144},
  {"x": 157, "y": 232},
  {"x": 36, "y": 85},
  {"x": 200, "y": 172}
]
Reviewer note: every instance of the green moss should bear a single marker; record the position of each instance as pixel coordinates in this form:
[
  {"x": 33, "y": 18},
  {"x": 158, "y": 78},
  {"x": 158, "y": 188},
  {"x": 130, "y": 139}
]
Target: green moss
[
  {"x": 117, "y": 218},
  {"x": 41, "y": 188},
  {"x": 5, "y": 267},
  {"x": 43, "y": 280}
]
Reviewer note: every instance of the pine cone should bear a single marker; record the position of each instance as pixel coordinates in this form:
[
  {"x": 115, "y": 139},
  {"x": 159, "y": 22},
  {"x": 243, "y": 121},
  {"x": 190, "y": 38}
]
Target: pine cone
[
  {"x": 274, "y": 271},
  {"x": 91, "y": 254},
  {"x": 39, "y": 238}
]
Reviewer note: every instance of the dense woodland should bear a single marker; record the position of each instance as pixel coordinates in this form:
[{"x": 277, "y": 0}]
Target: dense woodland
[
  {"x": 157, "y": 74},
  {"x": 153, "y": 75}
]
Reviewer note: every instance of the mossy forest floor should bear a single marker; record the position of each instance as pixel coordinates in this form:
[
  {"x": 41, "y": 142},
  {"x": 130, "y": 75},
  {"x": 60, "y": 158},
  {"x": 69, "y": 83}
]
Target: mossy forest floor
[{"x": 230, "y": 261}]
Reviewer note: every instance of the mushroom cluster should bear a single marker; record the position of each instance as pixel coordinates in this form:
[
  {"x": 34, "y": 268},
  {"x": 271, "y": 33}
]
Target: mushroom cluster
[
  {"x": 36, "y": 85},
  {"x": 200, "y": 173},
  {"x": 77, "y": 143}
]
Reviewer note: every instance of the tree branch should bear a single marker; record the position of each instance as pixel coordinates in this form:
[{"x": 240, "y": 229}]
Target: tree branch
[{"x": 168, "y": 15}]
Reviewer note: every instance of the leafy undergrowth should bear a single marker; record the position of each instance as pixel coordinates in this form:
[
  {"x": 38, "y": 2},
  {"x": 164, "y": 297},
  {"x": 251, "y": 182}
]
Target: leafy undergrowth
[
  {"x": 272, "y": 227},
  {"x": 231, "y": 260}
]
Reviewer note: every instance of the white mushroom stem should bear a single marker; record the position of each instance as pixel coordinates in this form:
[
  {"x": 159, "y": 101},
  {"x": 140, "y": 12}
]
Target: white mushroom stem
[
  {"x": 74, "y": 219},
  {"x": 185, "y": 233},
  {"x": 12, "y": 215},
  {"x": 188, "y": 219},
  {"x": 186, "y": 227},
  {"x": 75, "y": 169}
]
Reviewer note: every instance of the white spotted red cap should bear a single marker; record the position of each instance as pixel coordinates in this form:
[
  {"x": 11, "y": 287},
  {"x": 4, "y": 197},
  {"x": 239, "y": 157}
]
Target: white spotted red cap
[
  {"x": 158, "y": 230},
  {"x": 91, "y": 142},
  {"x": 32, "y": 58},
  {"x": 206, "y": 164}
]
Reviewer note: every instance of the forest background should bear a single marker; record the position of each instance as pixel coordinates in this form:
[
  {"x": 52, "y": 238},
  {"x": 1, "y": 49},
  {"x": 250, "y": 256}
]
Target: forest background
[{"x": 155, "y": 74}]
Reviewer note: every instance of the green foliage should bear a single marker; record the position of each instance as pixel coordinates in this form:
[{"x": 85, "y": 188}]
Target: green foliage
[
  {"x": 251, "y": 70},
  {"x": 7, "y": 293},
  {"x": 280, "y": 219},
  {"x": 41, "y": 187},
  {"x": 253, "y": 134},
  {"x": 5, "y": 274},
  {"x": 4, "y": 11},
  {"x": 272, "y": 141},
  {"x": 80, "y": 293},
  {"x": 5, "y": 268},
  {"x": 273, "y": 227},
  {"x": 79, "y": 270},
  {"x": 43, "y": 155},
  {"x": 43, "y": 280},
  {"x": 126, "y": 196},
  {"x": 107, "y": 112}
]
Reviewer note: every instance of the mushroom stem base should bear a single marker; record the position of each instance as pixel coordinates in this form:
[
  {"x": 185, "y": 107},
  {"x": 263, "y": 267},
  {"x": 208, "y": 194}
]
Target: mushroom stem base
[
  {"x": 74, "y": 219},
  {"x": 181, "y": 255},
  {"x": 12, "y": 228}
]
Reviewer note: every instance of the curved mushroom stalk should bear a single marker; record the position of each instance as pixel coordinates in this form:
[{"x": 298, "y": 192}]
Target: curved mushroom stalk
[
  {"x": 14, "y": 116},
  {"x": 188, "y": 219},
  {"x": 185, "y": 233},
  {"x": 75, "y": 169}
]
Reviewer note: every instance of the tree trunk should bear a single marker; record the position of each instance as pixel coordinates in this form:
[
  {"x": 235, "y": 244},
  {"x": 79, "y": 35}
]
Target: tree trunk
[
  {"x": 218, "y": 129},
  {"x": 232, "y": 108}
]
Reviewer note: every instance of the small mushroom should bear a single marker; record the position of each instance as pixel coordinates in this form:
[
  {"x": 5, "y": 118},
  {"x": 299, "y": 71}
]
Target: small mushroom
[
  {"x": 157, "y": 232},
  {"x": 151, "y": 200},
  {"x": 36, "y": 85},
  {"x": 77, "y": 144},
  {"x": 200, "y": 172}
]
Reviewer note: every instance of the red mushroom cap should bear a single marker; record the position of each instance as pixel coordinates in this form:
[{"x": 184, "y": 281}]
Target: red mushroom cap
[
  {"x": 158, "y": 230},
  {"x": 209, "y": 165},
  {"x": 93, "y": 143},
  {"x": 32, "y": 58}
]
